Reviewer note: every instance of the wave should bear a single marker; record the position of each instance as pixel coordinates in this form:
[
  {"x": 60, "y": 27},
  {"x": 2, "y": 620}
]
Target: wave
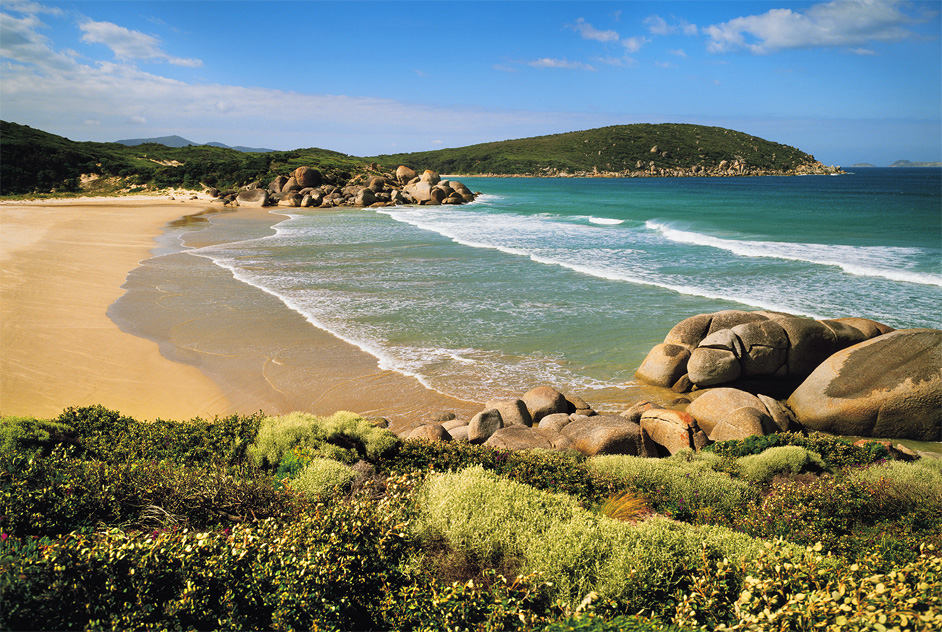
[
  {"x": 435, "y": 224},
  {"x": 606, "y": 221},
  {"x": 855, "y": 260}
]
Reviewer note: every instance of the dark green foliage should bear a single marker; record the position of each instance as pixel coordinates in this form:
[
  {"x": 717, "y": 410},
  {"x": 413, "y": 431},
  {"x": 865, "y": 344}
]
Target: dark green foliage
[
  {"x": 491, "y": 604},
  {"x": 614, "y": 148},
  {"x": 25, "y": 435},
  {"x": 327, "y": 568},
  {"x": 33, "y": 161},
  {"x": 835, "y": 452},
  {"x": 549, "y": 471},
  {"x": 106, "y": 435},
  {"x": 52, "y": 495},
  {"x": 590, "y": 622}
]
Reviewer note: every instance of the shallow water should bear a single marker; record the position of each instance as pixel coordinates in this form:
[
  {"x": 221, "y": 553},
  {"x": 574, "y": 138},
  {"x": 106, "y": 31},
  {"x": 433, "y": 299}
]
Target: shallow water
[{"x": 570, "y": 282}]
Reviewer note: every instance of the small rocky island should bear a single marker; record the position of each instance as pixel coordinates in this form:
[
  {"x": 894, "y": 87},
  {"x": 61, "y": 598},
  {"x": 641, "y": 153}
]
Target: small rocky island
[{"x": 307, "y": 188}]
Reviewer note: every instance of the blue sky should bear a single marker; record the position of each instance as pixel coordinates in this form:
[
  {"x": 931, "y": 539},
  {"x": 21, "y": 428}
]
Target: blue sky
[{"x": 846, "y": 80}]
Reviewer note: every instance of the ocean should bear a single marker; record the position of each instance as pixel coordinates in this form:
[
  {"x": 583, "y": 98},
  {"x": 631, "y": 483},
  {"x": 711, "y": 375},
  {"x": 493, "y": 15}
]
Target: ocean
[{"x": 570, "y": 282}]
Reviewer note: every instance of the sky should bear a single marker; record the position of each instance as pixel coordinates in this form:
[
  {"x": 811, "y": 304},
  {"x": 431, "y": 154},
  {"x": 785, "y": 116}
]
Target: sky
[{"x": 846, "y": 80}]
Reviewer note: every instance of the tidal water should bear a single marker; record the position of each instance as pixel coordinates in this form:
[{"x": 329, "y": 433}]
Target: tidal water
[{"x": 570, "y": 282}]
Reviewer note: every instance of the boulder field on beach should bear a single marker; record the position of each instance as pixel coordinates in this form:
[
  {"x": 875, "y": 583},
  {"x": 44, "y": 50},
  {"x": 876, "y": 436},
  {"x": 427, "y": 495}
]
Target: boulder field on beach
[
  {"x": 306, "y": 188},
  {"x": 741, "y": 374}
]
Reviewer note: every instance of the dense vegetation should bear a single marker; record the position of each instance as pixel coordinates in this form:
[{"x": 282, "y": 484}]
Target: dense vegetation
[
  {"x": 33, "y": 161},
  {"x": 614, "y": 149},
  {"x": 300, "y": 522}
]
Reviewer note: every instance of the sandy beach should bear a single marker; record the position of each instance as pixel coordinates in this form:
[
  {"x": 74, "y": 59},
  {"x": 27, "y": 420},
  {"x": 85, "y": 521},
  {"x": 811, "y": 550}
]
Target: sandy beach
[{"x": 233, "y": 348}]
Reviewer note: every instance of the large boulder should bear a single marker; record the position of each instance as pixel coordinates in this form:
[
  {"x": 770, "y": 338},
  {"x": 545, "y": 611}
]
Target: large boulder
[
  {"x": 512, "y": 410},
  {"x": 404, "y": 174},
  {"x": 430, "y": 177},
  {"x": 484, "y": 424},
  {"x": 253, "y": 198},
  {"x": 519, "y": 438},
  {"x": 664, "y": 365},
  {"x": 555, "y": 422},
  {"x": 606, "y": 434},
  {"x": 544, "y": 400},
  {"x": 741, "y": 423},
  {"x": 430, "y": 432},
  {"x": 672, "y": 429},
  {"x": 716, "y": 404},
  {"x": 420, "y": 191},
  {"x": 889, "y": 386},
  {"x": 709, "y": 366},
  {"x": 307, "y": 177},
  {"x": 810, "y": 342}
]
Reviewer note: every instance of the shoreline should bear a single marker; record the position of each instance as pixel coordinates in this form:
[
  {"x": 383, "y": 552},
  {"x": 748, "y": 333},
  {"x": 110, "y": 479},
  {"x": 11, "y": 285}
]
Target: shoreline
[{"x": 64, "y": 263}]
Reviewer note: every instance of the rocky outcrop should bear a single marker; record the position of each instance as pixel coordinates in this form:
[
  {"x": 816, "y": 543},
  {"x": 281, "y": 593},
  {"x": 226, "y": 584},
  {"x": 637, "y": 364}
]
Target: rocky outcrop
[
  {"x": 889, "y": 386},
  {"x": 253, "y": 198},
  {"x": 726, "y": 347},
  {"x": 364, "y": 190}
]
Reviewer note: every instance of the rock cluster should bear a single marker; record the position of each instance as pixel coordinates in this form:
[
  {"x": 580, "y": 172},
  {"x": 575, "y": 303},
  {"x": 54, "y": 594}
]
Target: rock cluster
[
  {"x": 649, "y": 169},
  {"x": 849, "y": 376},
  {"x": 733, "y": 346},
  {"x": 306, "y": 188}
]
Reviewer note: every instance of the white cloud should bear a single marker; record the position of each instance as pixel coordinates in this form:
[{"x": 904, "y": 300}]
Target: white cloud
[
  {"x": 137, "y": 120},
  {"x": 848, "y": 23},
  {"x": 634, "y": 44},
  {"x": 657, "y": 25},
  {"x": 589, "y": 32},
  {"x": 547, "y": 62},
  {"x": 127, "y": 44},
  {"x": 664, "y": 64},
  {"x": 622, "y": 62},
  {"x": 678, "y": 52}
]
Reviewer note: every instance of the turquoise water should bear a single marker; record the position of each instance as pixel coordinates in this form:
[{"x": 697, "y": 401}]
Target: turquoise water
[{"x": 570, "y": 282}]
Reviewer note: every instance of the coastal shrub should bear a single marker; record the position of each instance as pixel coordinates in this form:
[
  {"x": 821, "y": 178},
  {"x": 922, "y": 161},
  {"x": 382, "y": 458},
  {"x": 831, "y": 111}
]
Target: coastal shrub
[
  {"x": 27, "y": 434},
  {"x": 563, "y": 472},
  {"x": 54, "y": 494},
  {"x": 787, "y": 459},
  {"x": 850, "y": 518},
  {"x": 836, "y": 452},
  {"x": 344, "y": 436},
  {"x": 815, "y": 591},
  {"x": 107, "y": 435},
  {"x": 591, "y": 622},
  {"x": 322, "y": 478},
  {"x": 909, "y": 484},
  {"x": 330, "y": 567},
  {"x": 625, "y": 507},
  {"x": 491, "y": 604},
  {"x": 685, "y": 489},
  {"x": 638, "y": 567}
]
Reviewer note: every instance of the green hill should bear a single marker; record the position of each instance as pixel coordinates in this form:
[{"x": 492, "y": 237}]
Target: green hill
[
  {"x": 642, "y": 149},
  {"x": 33, "y": 161}
]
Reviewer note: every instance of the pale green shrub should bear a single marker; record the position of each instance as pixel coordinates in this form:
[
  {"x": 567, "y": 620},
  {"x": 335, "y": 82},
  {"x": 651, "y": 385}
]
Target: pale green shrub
[
  {"x": 343, "y": 436},
  {"x": 322, "y": 477},
  {"x": 694, "y": 481},
  {"x": 489, "y": 519},
  {"x": 916, "y": 482},
  {"x": 787, "y": 459}
]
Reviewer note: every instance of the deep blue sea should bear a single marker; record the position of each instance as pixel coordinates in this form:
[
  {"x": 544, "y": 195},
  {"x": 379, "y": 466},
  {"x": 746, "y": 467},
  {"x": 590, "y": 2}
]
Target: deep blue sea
[{"x": 570, "y": 282}]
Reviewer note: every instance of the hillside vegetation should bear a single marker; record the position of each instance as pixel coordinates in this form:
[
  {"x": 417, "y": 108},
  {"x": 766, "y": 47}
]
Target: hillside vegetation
[
  {"x": 36, "y": 162},
  {"x": 642, "y": 149},
  {"x": 33, "y": 161}
]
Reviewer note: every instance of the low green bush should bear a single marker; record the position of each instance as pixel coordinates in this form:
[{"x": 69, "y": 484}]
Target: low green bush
[
  {"x": 563, "y": 472},
  {"x": 109, "y": 436},
  {"x": 344, "y": 436},
  {"x": 836, "y": 452},
  {"x": 909, "y": 484},
  {"x": 637, "y": 567},
  {"x": 52, "y": 495},
  {"x": 684, "y": 488},
  {"x": 330, "y": 567},
  {"x": 787, "y": 459},
  {"x": 323, "y": 478},
  {"x": 590, "y": 622},
  {"x": 27, "y": 435}
]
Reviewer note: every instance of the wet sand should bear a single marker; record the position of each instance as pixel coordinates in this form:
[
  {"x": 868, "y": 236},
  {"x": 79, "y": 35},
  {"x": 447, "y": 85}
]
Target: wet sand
[{"x": 184, "y": 339}]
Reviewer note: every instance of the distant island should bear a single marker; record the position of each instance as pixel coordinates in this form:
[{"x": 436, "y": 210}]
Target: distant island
[
  {"x": 35, "y": 162},
  {"x": 899, "y": 163}
]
